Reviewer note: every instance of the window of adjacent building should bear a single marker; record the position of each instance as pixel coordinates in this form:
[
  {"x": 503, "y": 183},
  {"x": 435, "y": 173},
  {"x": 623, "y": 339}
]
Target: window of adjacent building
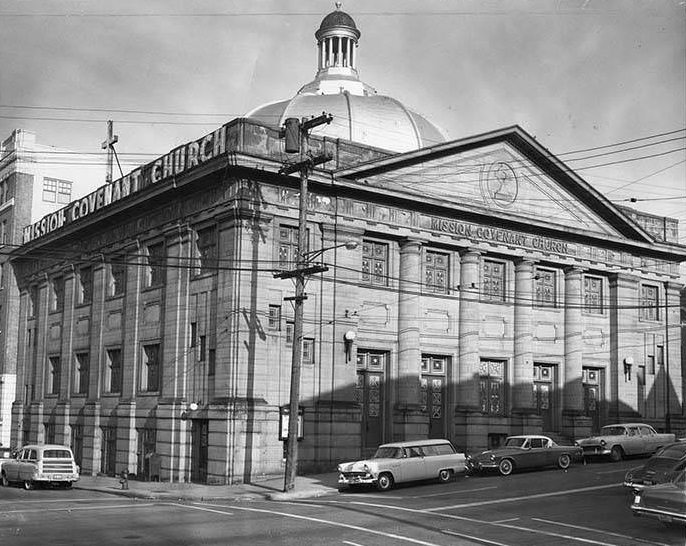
[
  {"x": 288, "y": 247},
  {"x": 593, "y": 294},
  {"x": 4, "y": 233},
  {"x": 151, "y": 369},
  {"x": 156, "y": 264},
  {"x": 308, "y": 351},
  {"x": 545, "y": 287},
  {"x": 492, "y": 386},
  {"x": 81, "y": 373},
  {"x": 493, "y": 280},
  {"x": 660, "y": 356},
  {"x": 211, "y": 361},
  {"x": 116, "y": 282},
  {"x": 375, "y": 263},
  {"x": 436, "y": 272},
  {"x": 54, "y": 376},
  {"x": 56, "y": 191},
  {"x": 206, "y": 247},
  {"x": 194, "y": 334},
  {"x": 3, "y": 191},
  {"x": 649, "y": 303},
  {"x": 57, "y": 294},
  {"x": 113, "y": 371},
  {"x": 274, "y": 322},
  {"x": 2, "y": 276},
  {"x": 290, "y": 330},
  {"x": 86, "y": 284},
  {"x": 49, "y": 429},
  {"x": 202, "y": 349}
]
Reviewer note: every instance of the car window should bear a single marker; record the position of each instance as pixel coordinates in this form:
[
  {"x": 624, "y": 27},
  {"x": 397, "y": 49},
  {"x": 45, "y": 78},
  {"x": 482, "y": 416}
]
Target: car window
[
  {"x": 444, "y": 449},
  {"x": 536, "y": 443},
  {"x": 56, "y": 454},
  {"x": 647, "y": 431},
  {"x": 672, "y": 452},
  {"x": 386, "y": 452},
  {"x": 415, "y": 452},
  {"x": 33, "y": 455},
  {"x": 612, "y": 431},
  {"x": 515, "y": 442},
  {"x": 633, "y": 431},
  {"x": 429, "y": 451}
]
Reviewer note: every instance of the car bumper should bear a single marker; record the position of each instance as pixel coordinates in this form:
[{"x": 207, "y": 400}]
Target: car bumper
[
  {"x": 597, "y": 451},
  {"x": 478, "y": 466},
  {"x": 56, "y": 477},
  {"x": 356, "y": 479}
]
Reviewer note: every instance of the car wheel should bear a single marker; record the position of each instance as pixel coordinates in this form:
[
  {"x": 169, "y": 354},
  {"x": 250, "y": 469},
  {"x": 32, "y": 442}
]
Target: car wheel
[
  {"x": 67, "y": 485},
  {"x": 506, "y": 467},
  {"x": 563, "y": 461},
  {"x": 445, "y": 475},
  {"x": 616, "y": 454},
  {"x": 5, "y": 481},
  {"x": 28, "y": 485},
  {"x": 385, "y": 482}
]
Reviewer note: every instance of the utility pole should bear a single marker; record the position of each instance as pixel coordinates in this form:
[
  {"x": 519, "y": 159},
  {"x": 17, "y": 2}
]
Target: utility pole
[
  {"x": 108, "y": 145},
  {"x": 296, "y": 133}
]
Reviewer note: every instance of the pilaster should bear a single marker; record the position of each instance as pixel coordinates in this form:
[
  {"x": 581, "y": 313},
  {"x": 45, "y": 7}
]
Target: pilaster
[
  {"x": 523, "y": 338},
  {"x": 468, "y": 335}
]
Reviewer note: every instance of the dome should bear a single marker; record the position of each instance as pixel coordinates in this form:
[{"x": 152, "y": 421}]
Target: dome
[{"x": 359, "y": 113}]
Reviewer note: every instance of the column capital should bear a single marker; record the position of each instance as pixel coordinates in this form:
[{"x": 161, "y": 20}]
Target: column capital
[
  {"x": 469, "y": 254},
  {"x": 410, "y": 244},
  {"x": 574, "y": 270},
  {"x": 524, "y": 264}
]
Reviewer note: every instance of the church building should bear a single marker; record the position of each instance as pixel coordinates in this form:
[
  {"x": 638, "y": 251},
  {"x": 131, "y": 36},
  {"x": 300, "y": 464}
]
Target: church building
[{"x": 472, "y": 289}]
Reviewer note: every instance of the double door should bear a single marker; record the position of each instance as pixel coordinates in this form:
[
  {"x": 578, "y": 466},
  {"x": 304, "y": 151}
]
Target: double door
[
  {"x": 545, "y": 395},
  {"x": 433, "y": 394}
]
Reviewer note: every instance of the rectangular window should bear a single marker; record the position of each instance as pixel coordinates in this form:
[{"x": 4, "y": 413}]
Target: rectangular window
[
  {"x": 211, "y": 361},
  {"x": 57, "y": 293},
  {"x": 117, "y": 277},
  {"x": 4, "y": 233},
  {"x": 545, "y": 286},
  {"x": 660, "y": 360},
  {"x": 50, "y": 190},
  {"x": 150, "y": 380},
  {"x": 436, "y": 272},
  {"x": 33, "y": 301},
  {"x": 49, "y": 429},
  {"x": 194, "y": 334},
  {"x": 156, "y": 264},
  {"x": 375, "y": 263},
  {"x": 290, "y": 329},
  {"x": 308, "y": 351},
  {"x": 81, "y": 373},
  {"x": 63, "y": 191},
  {"x": 202, "y": 350},
  {"x": 593, "y": 295},
  {"x": 492, "y": 386},
  {"x": 288, "y": 247},
  {"x": 206, "y": 247},
  {"x": 113, "y": 377},
  {"x": 86, "y": 284},
  {"x": 649, "y": 303},
  {"x": 493, "y": 282},
  {"x": 55, "y": 375},
  {"x": 274, "y": 322}
]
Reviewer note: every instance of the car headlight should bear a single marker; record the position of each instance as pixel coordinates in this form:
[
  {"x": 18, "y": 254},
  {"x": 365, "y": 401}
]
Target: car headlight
[
  {"x": 493, "y": 458},
  {"x": 602, "y": 443},
  {"x": 637, "y": 497},
  {"x": 367, "y": 469},
  {"x": 576, "y": 444}
]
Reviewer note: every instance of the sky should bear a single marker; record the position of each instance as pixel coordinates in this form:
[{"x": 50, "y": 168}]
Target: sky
[{"x": 606, "y": 75}]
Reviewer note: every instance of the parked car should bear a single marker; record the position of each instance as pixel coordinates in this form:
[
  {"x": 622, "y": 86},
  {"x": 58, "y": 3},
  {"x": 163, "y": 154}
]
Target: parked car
[
  {"x": 524, "y": 451},
  {"x": 660, "y": 468},
  {"x": 665, "y": 502},
  {"x": 48, "y": 464},
  {"x": 404, "y": 462},
  {"x": 622, "y": 440}
]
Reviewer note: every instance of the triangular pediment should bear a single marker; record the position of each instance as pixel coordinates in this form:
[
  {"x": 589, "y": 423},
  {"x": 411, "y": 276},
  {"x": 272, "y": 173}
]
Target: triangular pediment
[{"x": 500, "y": 179}]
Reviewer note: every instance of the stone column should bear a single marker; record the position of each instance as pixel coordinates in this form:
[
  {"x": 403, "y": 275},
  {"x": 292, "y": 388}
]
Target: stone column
[
  {"x": 624, "y": 327},
  {"x": 468, "y": 336},
  {"x": 574, "y": 424},
  {"x": 409, "y": 420},
  {"x": 522, "y": 401}
]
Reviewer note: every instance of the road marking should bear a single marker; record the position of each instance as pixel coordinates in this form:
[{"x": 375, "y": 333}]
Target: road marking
[
  {"x": 517, "y": 499},
  {"x": 451, "y": 493},
  {"x": 351, "y": 543},
  {"x": 75, "y": 508},
  {"x": 56, "y": 500},
  {"x": 325, "y": 522},
  {"x": 477, "y": 539},
  {"x": 203, "y": 509},
  {"x": 505, "y": 520},
  {"x": 593, "y": 530}
]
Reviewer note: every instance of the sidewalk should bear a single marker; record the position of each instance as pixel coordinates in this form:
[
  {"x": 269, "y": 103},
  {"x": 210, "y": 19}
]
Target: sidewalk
[{"x": 314, "y": 485}]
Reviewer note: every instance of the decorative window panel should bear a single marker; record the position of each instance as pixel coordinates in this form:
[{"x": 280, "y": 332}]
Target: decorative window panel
[
  {"x": 649, "y": 303},
  {"x": 593, "y": 294},
  {"x": 206, "y": 242},
  {"x": 436, "y": 272},
  {"x": 545, "y": 287},
  {"x": 375, "y": 263},
  {"x": 493, "y": 281},
  {"x": 492, "y": 386}
]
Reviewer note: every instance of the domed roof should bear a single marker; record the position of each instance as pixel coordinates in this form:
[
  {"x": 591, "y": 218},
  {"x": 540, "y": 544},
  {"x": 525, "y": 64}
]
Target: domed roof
[
  {"x": 359, "y": 113},
  {"x": 337, "y": 19}
]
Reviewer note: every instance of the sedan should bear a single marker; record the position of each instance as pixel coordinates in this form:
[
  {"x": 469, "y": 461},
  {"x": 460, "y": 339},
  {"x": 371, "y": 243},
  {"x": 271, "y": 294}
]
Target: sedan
[
  {"x": 525, "y": 451},
  {"x": 665, "y": 502},
  {"x": 660, "y": 468}
]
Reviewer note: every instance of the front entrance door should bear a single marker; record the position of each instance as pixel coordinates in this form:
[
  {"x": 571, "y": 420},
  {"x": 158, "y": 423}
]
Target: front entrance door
[
  {"x": 592, "y": 379},
  {"x": 369, "y": 393},
  {"x": 544, "y": 395},
  {"x": 199, "y": 436},
  {"x": 433, "y": 393},
  {"x": 109, "y": 451}
]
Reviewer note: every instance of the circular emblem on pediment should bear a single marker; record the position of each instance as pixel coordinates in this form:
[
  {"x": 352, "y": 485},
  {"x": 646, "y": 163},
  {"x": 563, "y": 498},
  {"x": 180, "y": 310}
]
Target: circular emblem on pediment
[{"x": 499, "y": 185}]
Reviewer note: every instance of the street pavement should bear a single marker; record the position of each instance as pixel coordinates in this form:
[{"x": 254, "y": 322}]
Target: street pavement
[{"x": 270, "y": 488}]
